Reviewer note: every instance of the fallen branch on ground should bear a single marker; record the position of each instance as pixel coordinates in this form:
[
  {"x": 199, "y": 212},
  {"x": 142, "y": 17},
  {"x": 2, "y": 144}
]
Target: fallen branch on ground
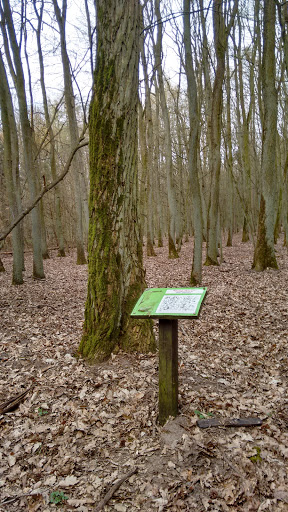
[
  {"x": 12, "y": 403},
  {"x": 113, "y": 489}
]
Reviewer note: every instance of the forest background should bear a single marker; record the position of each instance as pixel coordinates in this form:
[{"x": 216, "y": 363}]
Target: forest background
[{"x": 239, "y": 112}]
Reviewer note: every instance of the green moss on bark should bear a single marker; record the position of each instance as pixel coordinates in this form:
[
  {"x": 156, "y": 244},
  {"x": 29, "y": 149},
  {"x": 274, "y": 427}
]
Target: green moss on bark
[
  {"x": 229, "y": 238},
  {"x": 172, "y": 254},
  {"x": 2, "y": 268},
  {"x": 264, "y": 254},
  {"x": 209, "y": 262},
  {"x": 150, "y": 249}
]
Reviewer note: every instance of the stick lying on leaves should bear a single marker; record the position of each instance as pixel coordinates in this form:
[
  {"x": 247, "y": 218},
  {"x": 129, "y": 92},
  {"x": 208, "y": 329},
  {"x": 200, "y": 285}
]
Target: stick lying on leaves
[
  {"x": 12, "y": 403},
  {"x": 113, "y": 489},
  {"x": 232, "y": 422}
]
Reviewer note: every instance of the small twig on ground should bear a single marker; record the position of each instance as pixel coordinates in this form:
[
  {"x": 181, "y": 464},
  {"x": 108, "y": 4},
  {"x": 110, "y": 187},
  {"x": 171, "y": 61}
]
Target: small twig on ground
[{"x": 113, "y": 489}]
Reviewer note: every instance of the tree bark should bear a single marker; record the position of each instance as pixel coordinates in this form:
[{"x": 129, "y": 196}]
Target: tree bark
[{"x": 116, "y": 275}]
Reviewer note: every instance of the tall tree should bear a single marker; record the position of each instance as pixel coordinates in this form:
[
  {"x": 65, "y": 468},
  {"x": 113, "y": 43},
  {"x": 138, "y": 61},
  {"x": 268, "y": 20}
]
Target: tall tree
[
  {"x": 168, "y": 139},
  {"x": 148, "y": 149},
  {"x": 30, "y": 164},
  {"x": 52, "y": 149},
  {"x": 221, "y": 34},
  {"x": 116, "y": 275},
  {"x": 77, "y": 164},
  {"x": 196, "y": 274},
  {"x": 11, "y": 171},
  {"x": 264, "y": 254}
]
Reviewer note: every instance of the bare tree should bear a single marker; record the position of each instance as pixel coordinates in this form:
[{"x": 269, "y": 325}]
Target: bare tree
[
  {"x": 196, "y": 274},
  {"x": 16, "y": 70},
  {"x": 77, "y": 165},
  {"x": 168, "y": 140},
  {"x": 11, "y": 171},
  {"x": 221, "y": 34}
]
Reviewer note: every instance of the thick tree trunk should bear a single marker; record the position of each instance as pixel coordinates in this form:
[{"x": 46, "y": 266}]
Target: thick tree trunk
[
  {"x": 116, "y": 275},
  {"x": 264, "y": 254}
]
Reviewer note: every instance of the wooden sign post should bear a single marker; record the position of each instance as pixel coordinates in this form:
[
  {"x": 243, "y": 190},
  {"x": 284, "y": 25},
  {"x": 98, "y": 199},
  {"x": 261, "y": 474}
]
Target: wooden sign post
[
  {"x": 168, "y": 369},
  {"x": 168, "y": 305}
]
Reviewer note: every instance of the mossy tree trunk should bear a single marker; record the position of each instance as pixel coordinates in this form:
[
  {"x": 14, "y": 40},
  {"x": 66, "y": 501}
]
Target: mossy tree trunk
[
  {"x": 264, "y": 254},
  {"x": 116, "y": 275}
]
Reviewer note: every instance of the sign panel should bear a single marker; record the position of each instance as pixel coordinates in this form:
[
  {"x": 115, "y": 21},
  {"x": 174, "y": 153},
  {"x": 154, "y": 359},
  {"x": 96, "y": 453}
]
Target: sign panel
[{"x": 169, "y": 303}]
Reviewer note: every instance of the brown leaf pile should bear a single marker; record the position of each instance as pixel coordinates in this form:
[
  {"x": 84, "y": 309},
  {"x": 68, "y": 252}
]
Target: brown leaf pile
[{"x": 80, "y": 428}]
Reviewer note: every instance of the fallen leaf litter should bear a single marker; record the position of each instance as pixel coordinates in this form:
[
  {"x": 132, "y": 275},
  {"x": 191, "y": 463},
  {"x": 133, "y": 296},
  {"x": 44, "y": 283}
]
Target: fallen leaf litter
[{"x": 82, "y": 428}]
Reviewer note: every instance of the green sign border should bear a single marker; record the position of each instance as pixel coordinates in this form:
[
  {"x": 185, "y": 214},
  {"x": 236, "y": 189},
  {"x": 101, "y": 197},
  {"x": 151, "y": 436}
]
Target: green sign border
[{"x": 149, "y": 301}]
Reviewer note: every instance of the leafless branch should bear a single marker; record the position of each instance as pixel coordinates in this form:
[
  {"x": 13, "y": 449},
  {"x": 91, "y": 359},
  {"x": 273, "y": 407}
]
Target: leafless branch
[{"x": 81, "y": 144}]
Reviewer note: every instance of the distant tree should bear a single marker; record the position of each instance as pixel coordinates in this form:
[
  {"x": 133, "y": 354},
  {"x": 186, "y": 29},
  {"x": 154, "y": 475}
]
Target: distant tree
[
  {"x": 39, "y": 10},
  {"x": 172, "y": 228},
  {"x": 196, "y": 273},
  {"x": 11, "y": 171},
  {"x": 221, "y": 33},
  {"x": 77, "y": 164},
  {"x": 13, "y": 56},
  {"x": 116, "y": 275}
]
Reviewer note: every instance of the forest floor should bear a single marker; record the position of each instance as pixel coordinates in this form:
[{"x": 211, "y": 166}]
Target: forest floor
[{"x": 81, "y": 427}]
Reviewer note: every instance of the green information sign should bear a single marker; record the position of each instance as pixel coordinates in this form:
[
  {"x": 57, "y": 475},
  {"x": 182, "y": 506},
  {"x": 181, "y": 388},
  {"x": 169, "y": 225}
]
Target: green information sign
[{"x": 169, "y": 303}]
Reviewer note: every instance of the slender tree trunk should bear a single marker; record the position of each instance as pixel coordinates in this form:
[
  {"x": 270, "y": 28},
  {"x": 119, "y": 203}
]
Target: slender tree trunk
[
  {"x": 196, "y": 274},
  {"x": 11, "y": 164},
  {"x": 27, "y": 137},
  {"x": 2, "y": 268},
  {"x": 116, "y": 275},
  {"x": 158, "y": 194},
  {"x": 221, "y": 33},
  {"x": 168, "y": 139},
  {"x": 77, "y": 164},
  {"x": 229, "y": 158},
  {"x": 264, "y": 254},
  {"x": 149, "y": 147},
  {"x": 59, "y": 228}
]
